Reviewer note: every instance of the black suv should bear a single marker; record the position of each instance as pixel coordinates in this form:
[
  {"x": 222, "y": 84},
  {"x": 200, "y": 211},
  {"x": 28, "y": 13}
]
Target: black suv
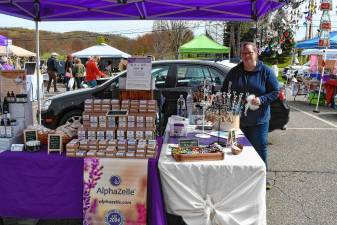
[{"x": 172, "y": 78}]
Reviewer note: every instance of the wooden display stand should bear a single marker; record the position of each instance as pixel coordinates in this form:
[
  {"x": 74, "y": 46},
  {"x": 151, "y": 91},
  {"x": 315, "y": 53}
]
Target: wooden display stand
[
  {"x": 136, "y": 94},
  {"x": 199, "y": 157}
]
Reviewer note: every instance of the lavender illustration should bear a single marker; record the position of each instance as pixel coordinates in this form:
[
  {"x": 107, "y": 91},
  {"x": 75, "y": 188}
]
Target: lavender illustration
[{"x": 91, "y": 165}]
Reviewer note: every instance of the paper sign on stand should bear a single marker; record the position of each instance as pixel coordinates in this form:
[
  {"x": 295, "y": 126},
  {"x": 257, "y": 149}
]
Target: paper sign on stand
[{"x": 139, "y": 73}]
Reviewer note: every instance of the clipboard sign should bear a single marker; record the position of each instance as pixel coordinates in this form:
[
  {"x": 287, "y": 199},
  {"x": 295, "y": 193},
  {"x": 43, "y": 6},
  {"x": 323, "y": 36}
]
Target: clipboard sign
[{"x": 54, "y": 143}]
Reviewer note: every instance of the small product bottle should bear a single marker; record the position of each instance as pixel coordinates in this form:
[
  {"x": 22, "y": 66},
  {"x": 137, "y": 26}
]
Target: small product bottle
[
  {"x": 189, "y": 104},
  {"x": 8, "y": 97},
  {"x": 181, "y": 106},
  {"x": 13, "y": 97},
  {"x": 5, "y": 106},
  {"x": 8, "y": 129},
  {"x": 2, "y": 128}
]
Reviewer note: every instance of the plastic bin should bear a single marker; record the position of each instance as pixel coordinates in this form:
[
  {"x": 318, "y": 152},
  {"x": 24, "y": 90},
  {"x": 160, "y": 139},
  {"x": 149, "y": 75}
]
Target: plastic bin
[{"x": 313, "y": 96}]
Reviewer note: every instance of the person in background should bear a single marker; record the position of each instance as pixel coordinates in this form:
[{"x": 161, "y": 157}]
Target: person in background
[
  {"x": 123, "y": 64},
  {"x": 252, "y": 76},
  {"x": 79, "y": 73},
  {"x": 52, "y": 71},
  {"x": 275, "y": 67},
  {"x": 68, "y": 68},
  {"x": 92, "y": 72},
  {"x": 4, "y": 64},
  {"x": 108, "y": 68}
]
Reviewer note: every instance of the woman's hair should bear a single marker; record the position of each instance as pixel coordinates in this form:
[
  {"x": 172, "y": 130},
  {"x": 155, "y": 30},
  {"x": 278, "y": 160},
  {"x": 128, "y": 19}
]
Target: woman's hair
[
  {"x": 275, "y": 62},
  {"x": 244, "y": 44},
  {"x": 78, "y": 60}
]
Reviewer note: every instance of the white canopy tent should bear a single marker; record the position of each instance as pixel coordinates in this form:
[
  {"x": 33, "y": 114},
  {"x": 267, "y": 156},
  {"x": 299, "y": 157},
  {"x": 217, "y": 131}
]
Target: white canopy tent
[
  {"x": 102, "y": 50},
  {"x": 331, "y": 54},
  {"x": 15, "y": 51}
]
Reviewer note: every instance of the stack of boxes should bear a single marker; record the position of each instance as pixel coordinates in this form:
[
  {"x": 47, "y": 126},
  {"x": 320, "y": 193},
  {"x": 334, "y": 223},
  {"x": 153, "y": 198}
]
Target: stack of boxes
[{"x": 103, "y": 135}]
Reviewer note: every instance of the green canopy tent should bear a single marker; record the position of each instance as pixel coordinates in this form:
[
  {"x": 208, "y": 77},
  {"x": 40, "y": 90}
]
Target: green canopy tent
[{"x": 202, "y": 47}]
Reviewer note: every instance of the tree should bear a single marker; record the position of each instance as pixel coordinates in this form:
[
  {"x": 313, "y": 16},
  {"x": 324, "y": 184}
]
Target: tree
[
  {"x": 100, "y": 40},
  {"x": 276, "y": 31},
  {"x": 178, "y": 32}
]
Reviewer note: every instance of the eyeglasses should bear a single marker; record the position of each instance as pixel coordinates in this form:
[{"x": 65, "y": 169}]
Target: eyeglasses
[{"x": 247, "y": 53}]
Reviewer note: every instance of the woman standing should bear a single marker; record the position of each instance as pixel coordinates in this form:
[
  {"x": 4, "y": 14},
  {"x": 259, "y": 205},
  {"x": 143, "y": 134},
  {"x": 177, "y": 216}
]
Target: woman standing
[
  {"x": 79, "y": 73},
  {"x": 68, "y": 66}
]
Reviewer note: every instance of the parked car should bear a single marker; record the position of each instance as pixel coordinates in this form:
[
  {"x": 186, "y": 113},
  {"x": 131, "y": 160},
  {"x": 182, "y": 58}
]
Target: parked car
[{"x": 172, "y": 78}]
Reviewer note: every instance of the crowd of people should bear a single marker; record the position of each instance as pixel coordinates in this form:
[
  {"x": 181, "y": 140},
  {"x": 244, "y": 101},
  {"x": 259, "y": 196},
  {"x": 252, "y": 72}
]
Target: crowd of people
[{"x": 77, "y": 75}]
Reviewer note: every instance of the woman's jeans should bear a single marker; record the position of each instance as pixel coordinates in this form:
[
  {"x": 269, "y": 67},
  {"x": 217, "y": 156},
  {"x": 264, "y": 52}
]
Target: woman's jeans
[
  {"x": 92, "y": 83},
  {"x": 258, "y": 137}
]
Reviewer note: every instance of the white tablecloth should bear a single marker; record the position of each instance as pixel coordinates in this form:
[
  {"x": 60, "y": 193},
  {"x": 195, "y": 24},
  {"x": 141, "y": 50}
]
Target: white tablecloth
[{"x": 227, "y": 192}]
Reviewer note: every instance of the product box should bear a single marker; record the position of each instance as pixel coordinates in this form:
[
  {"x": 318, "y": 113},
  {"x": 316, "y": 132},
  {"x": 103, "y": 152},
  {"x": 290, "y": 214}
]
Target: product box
[
  {"x": 110, "y": 134},
  {"x": 80, "y": 153},
  {"x": 88, "y": 105},
  {"x": 139, "y": 134},
  {"x": 112, "y": 143},
  {"x": 120, "y": 154},
  {"x": 82, "y": 133},
  {"x": 111, "y": 149},
  {"x": 91, "y": 153},
  {"x": 100, "y": 153},
  {"x": 130, "y": 133},
  {"x": 92, "y": 132},
  {"x": 121, "y": 133},
  {"x": 100, "y": 133}
]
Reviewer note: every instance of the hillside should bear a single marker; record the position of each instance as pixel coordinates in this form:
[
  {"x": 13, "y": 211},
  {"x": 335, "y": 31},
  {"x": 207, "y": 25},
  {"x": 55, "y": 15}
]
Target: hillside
[{"x": 63, "y": 43}]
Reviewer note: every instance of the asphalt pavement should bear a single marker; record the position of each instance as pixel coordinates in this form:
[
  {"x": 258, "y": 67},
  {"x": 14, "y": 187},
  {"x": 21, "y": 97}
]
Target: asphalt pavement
[{"x": 303, "y": 168}]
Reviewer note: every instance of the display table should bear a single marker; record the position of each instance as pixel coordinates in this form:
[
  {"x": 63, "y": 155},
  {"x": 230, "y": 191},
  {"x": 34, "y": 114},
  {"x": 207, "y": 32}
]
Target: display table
[
  {"x": 38, "y": 185},
  {"x": 331, "y": 90},
  {"x": 231, "y": 191}
]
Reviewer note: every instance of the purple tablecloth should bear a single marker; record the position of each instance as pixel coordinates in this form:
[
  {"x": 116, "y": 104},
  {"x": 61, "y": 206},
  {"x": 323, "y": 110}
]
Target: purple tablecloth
[{"x": 38, "y": 185}]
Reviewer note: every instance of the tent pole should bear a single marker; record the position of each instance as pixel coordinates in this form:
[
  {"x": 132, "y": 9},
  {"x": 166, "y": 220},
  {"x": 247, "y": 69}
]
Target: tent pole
[
  {"x": 320, "y": 83},
  {"x": 37, "y": 48}
]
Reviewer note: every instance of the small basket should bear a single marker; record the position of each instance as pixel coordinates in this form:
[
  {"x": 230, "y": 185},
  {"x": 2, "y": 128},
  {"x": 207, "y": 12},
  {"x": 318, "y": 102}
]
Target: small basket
[{"x": 237, "y": 149}]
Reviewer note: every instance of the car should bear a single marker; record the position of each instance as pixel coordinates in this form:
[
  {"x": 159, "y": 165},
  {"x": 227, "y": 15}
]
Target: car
[{"x": 171, "y": 77}]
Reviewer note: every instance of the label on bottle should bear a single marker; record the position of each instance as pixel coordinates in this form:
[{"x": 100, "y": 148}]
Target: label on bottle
[
  {"x": 2, "y": 131},
  {"x": 8, "y": 131}
]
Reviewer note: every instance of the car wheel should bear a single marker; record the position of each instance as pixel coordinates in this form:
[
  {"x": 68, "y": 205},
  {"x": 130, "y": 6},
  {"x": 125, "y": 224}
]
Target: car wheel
[{"x": 71, "y": 117}]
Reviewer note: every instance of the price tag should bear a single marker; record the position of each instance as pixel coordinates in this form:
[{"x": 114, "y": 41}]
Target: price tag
[{"x": 188, "y": 142}]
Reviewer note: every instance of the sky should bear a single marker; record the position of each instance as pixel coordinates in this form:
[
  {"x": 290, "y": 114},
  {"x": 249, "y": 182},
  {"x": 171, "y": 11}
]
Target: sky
[{"x": 129, "y": 28}]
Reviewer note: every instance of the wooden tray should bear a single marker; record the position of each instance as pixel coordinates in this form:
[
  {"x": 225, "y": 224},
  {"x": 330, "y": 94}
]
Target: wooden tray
[{"x": 199, "y": 157}]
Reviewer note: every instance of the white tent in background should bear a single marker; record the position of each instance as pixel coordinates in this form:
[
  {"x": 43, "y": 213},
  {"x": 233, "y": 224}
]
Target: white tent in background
[
  {"x": 331, "y": 54},
  {"x": 15, "y": 51},
  {"x": 102, "y": 50}
]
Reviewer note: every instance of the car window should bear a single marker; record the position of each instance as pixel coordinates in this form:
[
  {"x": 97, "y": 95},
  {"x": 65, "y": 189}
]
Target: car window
[
  {"x": 159, "y": 74},
  {"x": 217, "y": 77},
  {"x": 191, "y": 75}
]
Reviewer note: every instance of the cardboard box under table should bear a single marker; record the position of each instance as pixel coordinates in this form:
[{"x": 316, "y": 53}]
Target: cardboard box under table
[
  {"x": 234, "y": 183},
  {"x": 38, "y": 185}
]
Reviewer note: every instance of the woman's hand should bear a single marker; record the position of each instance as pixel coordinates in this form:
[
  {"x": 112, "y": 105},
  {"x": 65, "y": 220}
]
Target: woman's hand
[{"x": 256, "y": 101}]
